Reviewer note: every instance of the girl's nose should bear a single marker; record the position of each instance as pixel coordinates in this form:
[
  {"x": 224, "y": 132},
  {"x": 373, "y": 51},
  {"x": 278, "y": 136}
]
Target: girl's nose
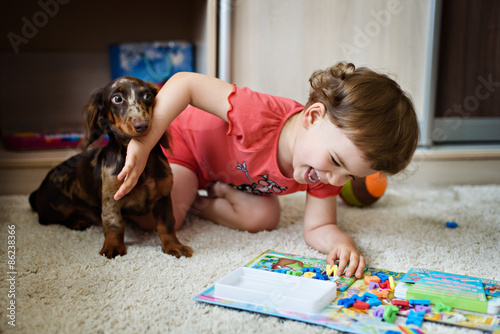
[
  {"x": 336, "y": 179},
  {"x": 332, "y": 178}
]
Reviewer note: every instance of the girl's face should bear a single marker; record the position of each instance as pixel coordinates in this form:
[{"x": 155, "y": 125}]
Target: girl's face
[{"x": 323, "y": 153}]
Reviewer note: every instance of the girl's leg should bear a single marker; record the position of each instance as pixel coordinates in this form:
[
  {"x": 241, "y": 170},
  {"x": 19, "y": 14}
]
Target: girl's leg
[
  {"x": 238, "y": 210},
  {"x": 183, "y": 192},
  {"x": 228, "y": 206}
]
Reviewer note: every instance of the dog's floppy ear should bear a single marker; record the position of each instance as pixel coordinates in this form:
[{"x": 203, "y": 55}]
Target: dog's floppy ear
[
  {"x": 165, "y": 139},
  {"x": 154, "y": 88},
  {"x": 92, "y": 114}
]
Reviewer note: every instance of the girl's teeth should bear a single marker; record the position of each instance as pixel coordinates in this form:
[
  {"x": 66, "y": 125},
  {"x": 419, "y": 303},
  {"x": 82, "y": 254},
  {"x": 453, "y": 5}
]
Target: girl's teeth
[{"x": 316, "y": 176}]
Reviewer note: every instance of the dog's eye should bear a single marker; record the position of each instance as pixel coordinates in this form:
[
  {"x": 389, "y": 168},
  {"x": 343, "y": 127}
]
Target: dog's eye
[
  {"x": 117, "y": 99},
  {"x": 147, "y": 96}
]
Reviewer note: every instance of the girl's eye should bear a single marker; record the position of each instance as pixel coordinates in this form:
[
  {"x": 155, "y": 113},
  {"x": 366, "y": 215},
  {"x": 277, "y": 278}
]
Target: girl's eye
[
  {"x": 334, "y": 161},
  {"x": 117, "y": 99}
]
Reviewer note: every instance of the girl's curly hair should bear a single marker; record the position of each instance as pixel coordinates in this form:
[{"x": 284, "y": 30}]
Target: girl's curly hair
[{"x": 372, "y": 110}]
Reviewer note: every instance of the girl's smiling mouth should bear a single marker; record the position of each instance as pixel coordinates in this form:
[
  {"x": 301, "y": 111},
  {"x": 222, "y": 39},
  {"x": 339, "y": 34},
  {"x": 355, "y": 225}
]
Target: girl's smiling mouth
[{"x": 311, "y": 177}]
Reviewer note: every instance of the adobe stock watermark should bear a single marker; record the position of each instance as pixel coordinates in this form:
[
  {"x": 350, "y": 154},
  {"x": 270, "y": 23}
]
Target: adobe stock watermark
[
  {"x": 11, "y": 275},
  {"x": 458, "y": 112},
  {"x": 363, "y": 37},
  {"x": 31, "y": 26}
]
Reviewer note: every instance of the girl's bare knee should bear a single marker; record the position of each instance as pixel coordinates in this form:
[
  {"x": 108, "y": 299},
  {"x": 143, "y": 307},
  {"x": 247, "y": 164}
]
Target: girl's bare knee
[
  {"x": 264, "y": 217},
  {"x": 239, "y": 210}
]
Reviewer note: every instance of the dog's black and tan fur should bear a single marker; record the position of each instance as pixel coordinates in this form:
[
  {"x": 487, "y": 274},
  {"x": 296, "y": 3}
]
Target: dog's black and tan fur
[{"x": 79, "y": 192}]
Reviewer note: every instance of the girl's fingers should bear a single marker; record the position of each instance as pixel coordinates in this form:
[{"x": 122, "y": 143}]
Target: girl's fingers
[{"x": 361, "y": 266}]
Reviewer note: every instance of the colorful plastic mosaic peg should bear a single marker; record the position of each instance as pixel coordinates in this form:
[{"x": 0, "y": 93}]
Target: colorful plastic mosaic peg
[
  {"x": 390, "y": 313},
  {"x": 441, "y": 307},
  {"x": 378, "y": 312},
  {"x": 414, "y": 302},
  {"x": 346, "y": 302},
  {"x": 422, "y": 308},
  {"x": 321, "y": 277},
  {"x": 295, "y": 273},
  {"x": 368, "y": 295},
  {"x": 384, "y": 285},
  {"x": 400, "y": 303},
  {"x": 311, "y": 270},
  {"x": 374, "y": 302},
  {"x": 380, "y": 294},
  {"x": 309, "y": 274},
  {"x": 392, "y": 284},
  {"x": 382, "y": 277},
  {"x": 331, "y": 270},
  {"x": 451, "y": 224},
  {"x": 361, "y": 305},
  {"x": 415, "y": 318},
  {"x": 374, "y": 279}
]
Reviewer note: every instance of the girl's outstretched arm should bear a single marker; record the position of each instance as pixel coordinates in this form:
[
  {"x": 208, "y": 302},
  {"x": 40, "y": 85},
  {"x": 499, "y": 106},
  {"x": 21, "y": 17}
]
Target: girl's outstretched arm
[
  {"x": 182, "y": 89},
  {"x": 322, "y": 233}
]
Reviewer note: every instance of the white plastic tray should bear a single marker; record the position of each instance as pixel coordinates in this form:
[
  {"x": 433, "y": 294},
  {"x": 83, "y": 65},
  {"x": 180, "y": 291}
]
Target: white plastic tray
[{"x": 281, "y": 291}]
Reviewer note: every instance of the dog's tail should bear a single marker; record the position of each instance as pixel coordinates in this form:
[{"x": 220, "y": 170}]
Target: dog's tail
[{"x": 32, "y": 200}]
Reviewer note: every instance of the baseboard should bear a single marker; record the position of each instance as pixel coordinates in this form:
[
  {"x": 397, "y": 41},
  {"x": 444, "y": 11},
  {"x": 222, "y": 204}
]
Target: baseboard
[
  {"x": 458, "y": 152},
  {"x": 445, "y": 172}
]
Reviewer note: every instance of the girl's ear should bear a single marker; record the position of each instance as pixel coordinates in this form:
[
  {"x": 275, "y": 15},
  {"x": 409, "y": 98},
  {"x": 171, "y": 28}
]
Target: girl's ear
[{"x": 313, "y": 114}]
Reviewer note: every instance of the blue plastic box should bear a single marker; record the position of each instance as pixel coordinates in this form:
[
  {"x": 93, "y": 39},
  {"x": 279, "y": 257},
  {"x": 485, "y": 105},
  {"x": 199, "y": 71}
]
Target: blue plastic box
[{"x": 151, "y": 61}]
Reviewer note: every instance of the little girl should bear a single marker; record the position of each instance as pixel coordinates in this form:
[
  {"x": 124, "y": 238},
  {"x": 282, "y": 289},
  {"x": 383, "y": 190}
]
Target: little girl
[{"x": 245, "y": 146}]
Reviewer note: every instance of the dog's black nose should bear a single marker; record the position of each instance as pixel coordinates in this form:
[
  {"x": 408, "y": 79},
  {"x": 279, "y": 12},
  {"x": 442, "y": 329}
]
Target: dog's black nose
[{"x": 141, "y": 126}]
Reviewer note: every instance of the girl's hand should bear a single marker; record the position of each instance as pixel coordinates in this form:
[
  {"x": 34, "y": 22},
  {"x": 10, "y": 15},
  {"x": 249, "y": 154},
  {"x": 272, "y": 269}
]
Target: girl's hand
[
  {"x": 182, "y": 89},
  {"x": 137, "y": 157},
  {"x": 346, "y": 252},
  {"x": 323, "y": 234}
]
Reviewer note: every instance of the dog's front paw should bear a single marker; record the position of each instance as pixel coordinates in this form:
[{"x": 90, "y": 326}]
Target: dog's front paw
[
  {"x": 110, "y": 251},
  {"x": 177, "y": 250}
]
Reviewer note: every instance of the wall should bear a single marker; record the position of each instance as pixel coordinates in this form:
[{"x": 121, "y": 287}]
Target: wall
[{"x": 277, "y": 44}]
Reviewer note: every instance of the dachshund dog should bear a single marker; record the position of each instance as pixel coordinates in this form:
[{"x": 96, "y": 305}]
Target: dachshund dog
[{"x": 79, "y": 192}]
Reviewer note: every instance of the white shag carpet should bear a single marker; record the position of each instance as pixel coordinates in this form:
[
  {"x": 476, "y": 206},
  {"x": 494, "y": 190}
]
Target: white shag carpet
[{"x": 64, "y": 286}]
